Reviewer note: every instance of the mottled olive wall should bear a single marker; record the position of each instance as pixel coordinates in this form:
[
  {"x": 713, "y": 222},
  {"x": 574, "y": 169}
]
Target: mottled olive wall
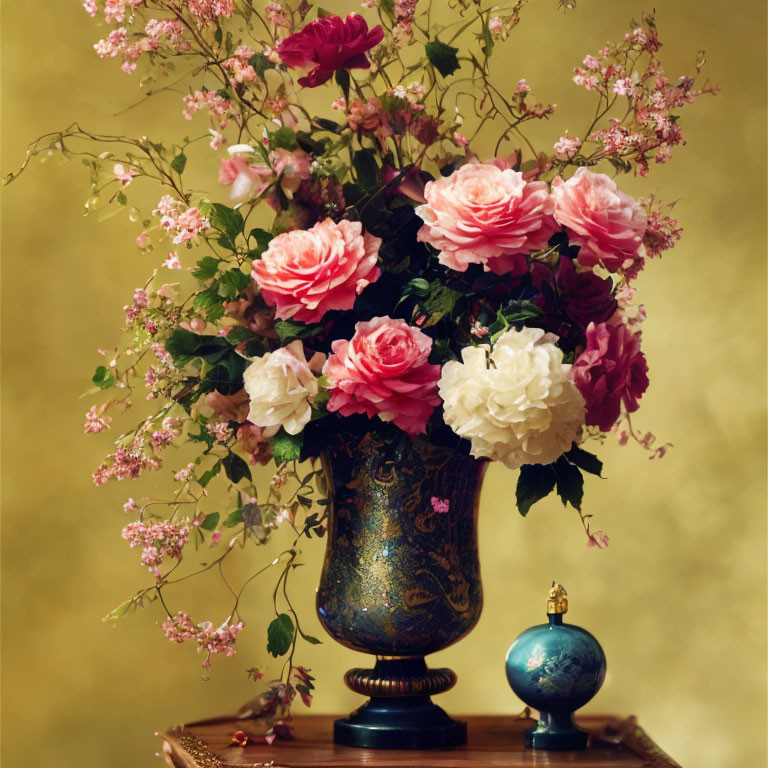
[{"x": 678, "y": 600}]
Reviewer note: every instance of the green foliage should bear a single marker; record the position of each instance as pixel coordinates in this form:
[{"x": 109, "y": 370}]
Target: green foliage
[
  {"x": 209, "y": 301},
  {"x": 366, "y": 169},
  {"x": 585, "y": 460},
  {"x": 280, "y": 635},
  {"x": 261, "y": 64},
  {"x": 440, "y": 302},
  {"x": 236, "y": 468},
  {"x": 442, "y": 57},
  {"x": 208, "y": 475},
  {"x": 210, "y": 521},
  {"x": 179, "y": 163},
  {"x": 290, "y": 330},
  {"x": 570, "y": 483},
  {"x": 103, "y": 378},
  {"x": 184, "y": 346},
  {"x": 262, "y": 238},
  {"x": 232, "y": 283},
  {"x": 342, "y": 80},
  {"x": 207, "y": 267},
  {"x": 286, "y": 447},
  {"x": 283, "y": 138},
  {"x": 535, "y": 482},
  {"x": 233, "y": 519},
  {"x": 228, "y": 221}
]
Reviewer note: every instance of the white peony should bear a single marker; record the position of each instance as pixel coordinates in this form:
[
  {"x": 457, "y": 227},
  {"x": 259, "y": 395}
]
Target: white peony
[
  {"x": 281, "y": 387},
  {"x": 515, "y": 402}
]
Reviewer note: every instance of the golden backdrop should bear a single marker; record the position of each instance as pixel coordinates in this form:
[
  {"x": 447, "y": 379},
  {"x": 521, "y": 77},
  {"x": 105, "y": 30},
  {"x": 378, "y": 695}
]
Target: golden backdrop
[{"x": 678, "y": 600}]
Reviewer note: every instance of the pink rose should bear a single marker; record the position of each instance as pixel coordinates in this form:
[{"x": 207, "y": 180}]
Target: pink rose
[
  {"x": 607, "y": 223},
  {"x": 305, "y": 273},
  {"x": 610, "y": 371},
  {"x": 485, "y": 214},
  {"x": 325, "y": 45},
  {"x": 384, "y": 371}
]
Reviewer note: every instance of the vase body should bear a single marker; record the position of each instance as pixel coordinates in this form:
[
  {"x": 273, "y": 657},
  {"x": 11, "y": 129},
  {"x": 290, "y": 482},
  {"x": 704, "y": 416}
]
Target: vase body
[{"x": 401, "y": 577}]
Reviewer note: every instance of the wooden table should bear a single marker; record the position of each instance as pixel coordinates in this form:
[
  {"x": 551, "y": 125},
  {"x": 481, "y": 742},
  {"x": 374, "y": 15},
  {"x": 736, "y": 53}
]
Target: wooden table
[{"x": 494, "y": 742}]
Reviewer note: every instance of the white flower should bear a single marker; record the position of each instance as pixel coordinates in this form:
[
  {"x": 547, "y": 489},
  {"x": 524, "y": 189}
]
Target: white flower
[
  {"x": 281, "y": 386},
  {"x": 514, "y": 402}
]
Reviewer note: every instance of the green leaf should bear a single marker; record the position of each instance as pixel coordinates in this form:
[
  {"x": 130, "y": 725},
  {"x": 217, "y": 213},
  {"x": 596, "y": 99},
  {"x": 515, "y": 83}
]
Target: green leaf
[
  {"x": 342, "y": 80},
  {"x": 234, "y": 518},
  {"x": 227, "y": 220},
  {"x": 487, "y": 47},
  {"x": 236, "y": 468},
  {"x": 103, "y": 378},
  {"x": 570, "y": 483},
  {"x": 179, "y": 163},
  {"x": 207, "y": 268},
  {"x": 280, "y": 635},
  {"x": 206, "y": 477},
  {"x": 585, "y": 460},
  {"x": 210, "y": 522},
  {"x": 442, "y": 57},
  {"x": 120, "y": 611},
  {"x": 534, "y": 483},
  {"x": 519, "y": 311},
  {"x": 262, "y": 238},
  {"x": 232, "y": 283},
  {"x": 283, "y": 138},
  {"x": 261, "y": 64},
  {"x": 122, "y": 197},
  {"x": 309, "y": 638},
  {"x": 440, "y": 302},
  {"x": 364, "y": 163},
  {"x": 290, "y": 330},
  {"x": 209, "y": 301},
  {"x": 286, "y": 447},
  {"x": 418, "y": 287},
  {"x": 183, "y": 346}
]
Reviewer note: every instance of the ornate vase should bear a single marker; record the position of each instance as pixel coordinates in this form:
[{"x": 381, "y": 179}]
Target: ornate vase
[{"x": 401, "y": 578}]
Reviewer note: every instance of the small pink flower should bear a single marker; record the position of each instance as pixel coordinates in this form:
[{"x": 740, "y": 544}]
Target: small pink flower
[
  {"x": 462, "y": 141},
  {"x": 598, "y": 539},
  {"x": 130, "y": 505},
  {"x": 566, "y": 147},
  {"x": 326, "y": 45},
  {"x": 441, "y": 506},
  {"x": 607, "y": 223},
  {"x": 622, "y": 87},
  {"x": 383, "y": 371},
  {"x": 172, "y": 262},
  {"x": 306, "y": 273},
  {"x": 90, "y": 7},
  {"x": 609, "y": 373},
  {"x": 95, "y": 421},
  {"x": 217, "y": 140},
  {"x": 142, "y": 240},
  {"x": 484, "y": 214},
  {"x": 216, "y": 537}
]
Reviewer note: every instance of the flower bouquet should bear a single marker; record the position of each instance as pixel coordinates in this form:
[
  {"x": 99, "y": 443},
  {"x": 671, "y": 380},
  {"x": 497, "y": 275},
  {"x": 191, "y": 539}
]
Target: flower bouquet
[{"x": 359, "y": 265}]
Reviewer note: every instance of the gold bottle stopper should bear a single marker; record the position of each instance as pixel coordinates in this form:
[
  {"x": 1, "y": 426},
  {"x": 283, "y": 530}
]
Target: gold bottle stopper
[{"x": 558, "y": 601}]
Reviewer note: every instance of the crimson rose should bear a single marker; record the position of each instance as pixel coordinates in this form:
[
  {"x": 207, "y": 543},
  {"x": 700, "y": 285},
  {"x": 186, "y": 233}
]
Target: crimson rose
[{"x": 326, "y": 45}]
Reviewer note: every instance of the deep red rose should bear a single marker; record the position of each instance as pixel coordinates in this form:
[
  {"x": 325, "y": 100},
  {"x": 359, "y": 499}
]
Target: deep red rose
[
  {"x": 326, "y": 45},
  {"x": 611, "y": 370},
  {"x": 571, "y": 300}
]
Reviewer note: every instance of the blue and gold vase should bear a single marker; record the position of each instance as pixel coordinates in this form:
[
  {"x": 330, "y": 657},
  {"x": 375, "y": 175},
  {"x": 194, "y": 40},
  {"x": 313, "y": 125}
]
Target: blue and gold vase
[
  {"x": 401, "y": 578},
  {"x": 556, "y": 668}
]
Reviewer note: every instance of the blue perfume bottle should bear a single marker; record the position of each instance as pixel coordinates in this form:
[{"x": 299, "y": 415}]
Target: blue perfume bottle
[{"x": 556, "y": 668}]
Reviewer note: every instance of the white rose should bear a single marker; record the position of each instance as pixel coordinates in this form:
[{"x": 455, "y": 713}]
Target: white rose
[
  {"x": 281, "y": 387},
  {"x": 515, "y": 403}
]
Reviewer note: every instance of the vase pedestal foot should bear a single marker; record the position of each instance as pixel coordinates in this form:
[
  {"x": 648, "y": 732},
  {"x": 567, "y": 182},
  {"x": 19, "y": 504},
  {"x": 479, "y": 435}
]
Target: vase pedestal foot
[
  {"x": 407, "y": 722},
  {"x": 399, "y": 713},
  {"x": 556, "y": 730}
]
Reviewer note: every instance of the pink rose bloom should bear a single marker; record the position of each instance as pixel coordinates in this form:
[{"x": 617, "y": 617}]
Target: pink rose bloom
[
  {"x": 384, "y": 371},
  {"x": 607, "y": 223},
  {"x": 486, "y": 214},
  {"x": 325, "y": 45},
  {"x": 305, "y": 273},
  {"x": 610, "y": 371}
]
